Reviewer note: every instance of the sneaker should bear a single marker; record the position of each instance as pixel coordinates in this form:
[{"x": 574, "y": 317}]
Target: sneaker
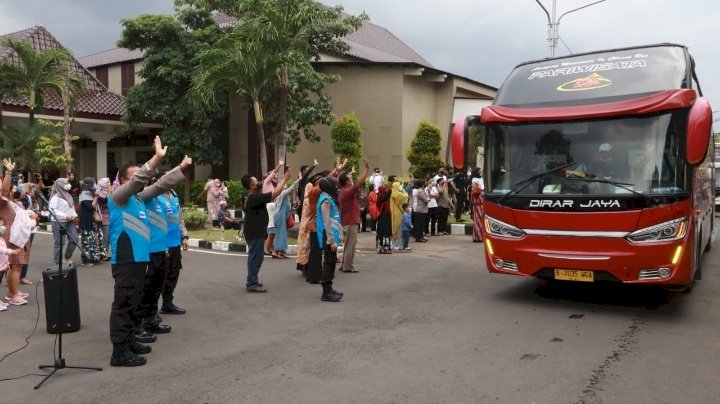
[
  {"x": 256, "y": 289},
  {"x": 21, "y": 294},
  {"x": 3, "y": 304},
  {"x": 17, "y": 300},
  {"x": 3, "y": 308},
  {"x": 67, "y": 262}
]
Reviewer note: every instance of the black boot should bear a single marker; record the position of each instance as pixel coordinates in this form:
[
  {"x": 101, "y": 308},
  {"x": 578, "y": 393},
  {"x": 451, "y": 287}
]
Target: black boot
[
  {"x": 336, "y": 292},
  {"x": 144, "y": 337},
  {"x": 156, "y": 328},
  {"x": 123, "y": 356},
  {"x": 328, "y": 295},
  {"x": 139, "y": 349},
  {"x": 169, "y": 308}
]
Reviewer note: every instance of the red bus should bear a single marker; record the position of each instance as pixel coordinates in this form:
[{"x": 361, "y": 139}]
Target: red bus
[{"x": 598, "y": 167}]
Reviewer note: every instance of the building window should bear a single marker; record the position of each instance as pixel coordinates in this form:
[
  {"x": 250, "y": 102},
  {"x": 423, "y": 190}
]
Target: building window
[
  {"x": 101, "y": 73},
  {"x": 127, "y": 77}
]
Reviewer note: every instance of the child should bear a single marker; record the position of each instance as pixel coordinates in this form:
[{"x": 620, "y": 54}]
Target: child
[
  {"x": 4, "y": 252},
  {"x": 406, "y": 227}
]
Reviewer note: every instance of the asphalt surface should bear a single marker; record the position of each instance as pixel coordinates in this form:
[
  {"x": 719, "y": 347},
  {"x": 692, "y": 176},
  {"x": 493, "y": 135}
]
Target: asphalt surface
[{"x": 430, "y": 326}]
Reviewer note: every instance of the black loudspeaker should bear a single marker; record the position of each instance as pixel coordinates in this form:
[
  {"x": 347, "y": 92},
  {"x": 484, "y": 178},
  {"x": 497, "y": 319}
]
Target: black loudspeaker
[{"x": 62, "y": 303}]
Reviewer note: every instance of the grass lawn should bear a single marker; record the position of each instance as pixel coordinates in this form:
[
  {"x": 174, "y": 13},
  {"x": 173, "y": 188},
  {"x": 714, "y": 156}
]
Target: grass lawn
[
  {"x": 217, "y": 235},
  {"x": 451, "y": 219}
]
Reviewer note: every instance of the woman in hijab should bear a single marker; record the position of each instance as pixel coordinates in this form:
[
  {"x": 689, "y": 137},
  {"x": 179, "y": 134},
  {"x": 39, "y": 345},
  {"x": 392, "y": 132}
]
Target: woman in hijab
[
  {"x": 104, "y": 189},
  {"x": 282, "y": 211},
  {"x": 63, "y": 208},
  {"x": 329, "y": 233},
  {"x": 384, "y": 221},
  {"x": 397, "y": 199},
  {"x": 219, "y": 194},
  {"x": 88, "y": 206},
  {"x": 476, "y": 194}
]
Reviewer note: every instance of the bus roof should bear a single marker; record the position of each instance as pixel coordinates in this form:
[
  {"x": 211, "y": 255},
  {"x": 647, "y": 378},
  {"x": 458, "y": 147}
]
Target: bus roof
[{"x": 596, "y": 77}]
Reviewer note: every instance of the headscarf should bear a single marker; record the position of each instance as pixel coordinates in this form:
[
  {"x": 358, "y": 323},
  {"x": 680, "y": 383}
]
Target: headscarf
[
  {"x": 57, "y": 189},
  {"x": 104, "y": 187},
  {"x": 329, "y": 186},
  {"x": 383, "y": 206},
  {"x": 398, "y": 198},
  {"x": 88, "y": 190}
]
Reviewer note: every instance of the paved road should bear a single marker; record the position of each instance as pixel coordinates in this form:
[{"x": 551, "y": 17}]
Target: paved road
[{"x": 431, "y": 326}]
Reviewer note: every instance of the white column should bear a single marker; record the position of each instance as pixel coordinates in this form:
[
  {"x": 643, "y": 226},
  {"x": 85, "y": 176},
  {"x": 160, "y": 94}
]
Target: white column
[{"x": 101, "y": 140}]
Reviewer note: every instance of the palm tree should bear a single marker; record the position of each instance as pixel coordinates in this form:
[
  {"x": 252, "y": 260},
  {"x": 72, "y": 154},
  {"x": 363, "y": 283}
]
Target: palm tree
[
  {"x": 237, "y": 64},
  {"x": 36, "y": 73}
]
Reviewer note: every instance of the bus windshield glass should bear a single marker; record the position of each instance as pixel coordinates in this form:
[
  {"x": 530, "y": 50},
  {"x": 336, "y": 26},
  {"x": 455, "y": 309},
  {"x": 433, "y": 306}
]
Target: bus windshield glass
[
  {"x": 590, "y": 79},
  {"x": 641, "y": 155}
]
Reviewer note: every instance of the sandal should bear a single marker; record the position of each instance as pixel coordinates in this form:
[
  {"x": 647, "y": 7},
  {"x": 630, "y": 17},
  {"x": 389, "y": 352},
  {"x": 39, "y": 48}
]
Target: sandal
[
  {"x": 26, "y": 281},
  {"x": 268, "y": 253},
  {"x": 277, "y": 256}
]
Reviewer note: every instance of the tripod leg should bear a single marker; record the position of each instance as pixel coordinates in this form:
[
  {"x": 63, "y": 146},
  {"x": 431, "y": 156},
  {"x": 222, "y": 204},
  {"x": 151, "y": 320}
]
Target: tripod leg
[
  {"x": 46, "y": 377},
  {"x": 82, "y": 367}
]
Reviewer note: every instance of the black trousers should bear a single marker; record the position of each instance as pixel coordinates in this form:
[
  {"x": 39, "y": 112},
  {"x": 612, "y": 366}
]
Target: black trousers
[
  {"x": 173, "y": 274},
  {"x": 461, "y": 205},
  {"x": 431, "y": 226},
  {"x": 328, "y": 264},
  {"x": 419, "y": 220},
  {"x": 364, "y": 222},
  {"x": 443, "y": 214},
  {"x": 154, "y": 281},
  {"x": 314, "y": 265},
  {"x": 129, "y": 280}
]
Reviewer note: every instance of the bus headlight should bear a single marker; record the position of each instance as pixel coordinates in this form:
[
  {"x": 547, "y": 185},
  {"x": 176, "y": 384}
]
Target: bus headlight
[
  {"x": 498, "y": 228},
  {"x": 668, "y": 231}
]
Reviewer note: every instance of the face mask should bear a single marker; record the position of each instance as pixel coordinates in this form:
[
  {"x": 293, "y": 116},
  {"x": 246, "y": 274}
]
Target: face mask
[
  {"x": 67, "y": 187},
  {"x": 21, "y": 187},
  {"x": 2, "y": 230}
]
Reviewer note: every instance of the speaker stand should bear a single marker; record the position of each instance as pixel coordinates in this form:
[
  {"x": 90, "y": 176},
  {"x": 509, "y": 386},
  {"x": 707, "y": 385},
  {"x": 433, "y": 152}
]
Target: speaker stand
[{"x": 60, "y": 361}]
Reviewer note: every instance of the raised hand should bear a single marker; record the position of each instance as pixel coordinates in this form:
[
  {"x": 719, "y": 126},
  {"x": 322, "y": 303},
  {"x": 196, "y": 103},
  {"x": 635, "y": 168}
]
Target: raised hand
[
  {"x": 315, "y": 162},
  {"x": 366, "y": 164},
  {"x": 160, "y": 150},
  {"x": 8, "y": 164},
  {"x": 186, "y": 162},
  {"x": 288, "y": 175}
]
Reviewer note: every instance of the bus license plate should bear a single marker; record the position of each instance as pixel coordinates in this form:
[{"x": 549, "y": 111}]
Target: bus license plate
[{"x": 574, "y": 275}]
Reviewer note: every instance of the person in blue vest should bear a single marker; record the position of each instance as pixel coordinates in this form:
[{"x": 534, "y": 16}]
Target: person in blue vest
[
  {"x": 130, "y": 239},
  {"x": 329, "y": 233},
  {"x": 177, "y": 240},
  {"x": 145, "y": 319}
]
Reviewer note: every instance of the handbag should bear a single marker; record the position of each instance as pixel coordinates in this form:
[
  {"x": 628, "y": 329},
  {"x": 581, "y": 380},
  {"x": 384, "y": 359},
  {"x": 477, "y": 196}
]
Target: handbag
[
  {"x": 291, "y": 221},
  {"x": 97, "y": 216}
]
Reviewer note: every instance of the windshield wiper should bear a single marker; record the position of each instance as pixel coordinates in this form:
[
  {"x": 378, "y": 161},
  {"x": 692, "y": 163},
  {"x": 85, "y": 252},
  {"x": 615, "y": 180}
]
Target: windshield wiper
[
  {"x": 624, "y": 185},
  {"x": 520, "y": 186}
]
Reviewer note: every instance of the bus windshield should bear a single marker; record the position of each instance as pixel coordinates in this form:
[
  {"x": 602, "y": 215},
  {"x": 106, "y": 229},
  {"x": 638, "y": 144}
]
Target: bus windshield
[{"x": 642, "y": 155}]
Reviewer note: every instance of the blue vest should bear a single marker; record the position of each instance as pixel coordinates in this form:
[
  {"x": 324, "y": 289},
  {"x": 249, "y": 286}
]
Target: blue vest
[
  {"x": 174, "y": 215},
  {"x": 335, "y": 224},
  {"x": 129, "y": 232},
  {"x": 157, "y": 219}
]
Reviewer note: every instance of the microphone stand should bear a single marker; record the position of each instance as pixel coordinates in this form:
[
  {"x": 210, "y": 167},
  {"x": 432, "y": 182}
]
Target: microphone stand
[{"x": 59, "y": 361}]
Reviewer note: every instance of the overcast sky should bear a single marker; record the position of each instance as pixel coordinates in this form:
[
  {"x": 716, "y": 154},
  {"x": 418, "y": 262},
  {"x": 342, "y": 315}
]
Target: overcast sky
[{"x": 479, "y": 39}]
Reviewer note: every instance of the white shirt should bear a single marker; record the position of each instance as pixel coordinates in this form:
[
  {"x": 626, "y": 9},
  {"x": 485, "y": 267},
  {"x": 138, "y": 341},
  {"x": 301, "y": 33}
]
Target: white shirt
[
  {"x": 61, "y": 208},
  {"x": 414, "y": 199},
  {"x": 433, "y": 201},
  {"x": 377, "y": 180}
]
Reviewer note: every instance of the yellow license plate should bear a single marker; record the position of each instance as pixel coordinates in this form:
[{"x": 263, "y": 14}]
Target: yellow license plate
[{"x": 574, "y": 275}]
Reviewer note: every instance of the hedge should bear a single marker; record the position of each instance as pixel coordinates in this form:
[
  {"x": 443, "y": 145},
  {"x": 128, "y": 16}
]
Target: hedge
[{"x": 236, "y": 194}]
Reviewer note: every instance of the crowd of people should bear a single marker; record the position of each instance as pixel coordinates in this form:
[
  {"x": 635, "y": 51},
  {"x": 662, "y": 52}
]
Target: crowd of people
[
  {"x": 333, "y": 209},
  {"x": 135, "y": 223}
]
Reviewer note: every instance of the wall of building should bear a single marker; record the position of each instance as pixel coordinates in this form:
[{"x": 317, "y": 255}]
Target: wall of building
[
  {"x": 114, "y": 79},
  {"x": 419, "y": 102},
  {"x": 375, "y": 95}
]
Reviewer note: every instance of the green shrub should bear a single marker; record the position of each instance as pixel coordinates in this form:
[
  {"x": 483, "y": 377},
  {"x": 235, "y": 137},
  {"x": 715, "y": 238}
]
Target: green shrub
[
  {"x": 236, "y": 194},
  {"x": 346, "y": 135},
  {"x": 424, "y": 152},
  {"x": 194, "y": 219}
]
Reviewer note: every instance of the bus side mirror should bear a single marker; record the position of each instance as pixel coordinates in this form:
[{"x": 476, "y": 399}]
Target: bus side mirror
[
  {"x": 459, "y": 141},
  {"x": 699, "y": 129}
]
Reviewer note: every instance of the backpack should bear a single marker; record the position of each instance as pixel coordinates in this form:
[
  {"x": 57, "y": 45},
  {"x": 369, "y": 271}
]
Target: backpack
[{"x": 372, "y": 206}]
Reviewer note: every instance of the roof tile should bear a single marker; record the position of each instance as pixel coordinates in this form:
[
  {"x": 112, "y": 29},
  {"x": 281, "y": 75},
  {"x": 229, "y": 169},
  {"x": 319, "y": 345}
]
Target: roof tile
[{"x": 94, "y": 99}]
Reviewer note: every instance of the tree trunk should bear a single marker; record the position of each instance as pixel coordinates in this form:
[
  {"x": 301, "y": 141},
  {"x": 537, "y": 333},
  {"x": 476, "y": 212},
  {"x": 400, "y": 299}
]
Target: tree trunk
[
  {"x": 260, "y": 122},
  {"x": 282, "y": 134},
  {"x": 186, "y": 191},
  {"x": 67, "y": 141}
]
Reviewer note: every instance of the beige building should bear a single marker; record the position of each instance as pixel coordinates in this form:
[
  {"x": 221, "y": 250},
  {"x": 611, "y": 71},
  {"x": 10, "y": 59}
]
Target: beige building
[{"x": 389, "y": 86}]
